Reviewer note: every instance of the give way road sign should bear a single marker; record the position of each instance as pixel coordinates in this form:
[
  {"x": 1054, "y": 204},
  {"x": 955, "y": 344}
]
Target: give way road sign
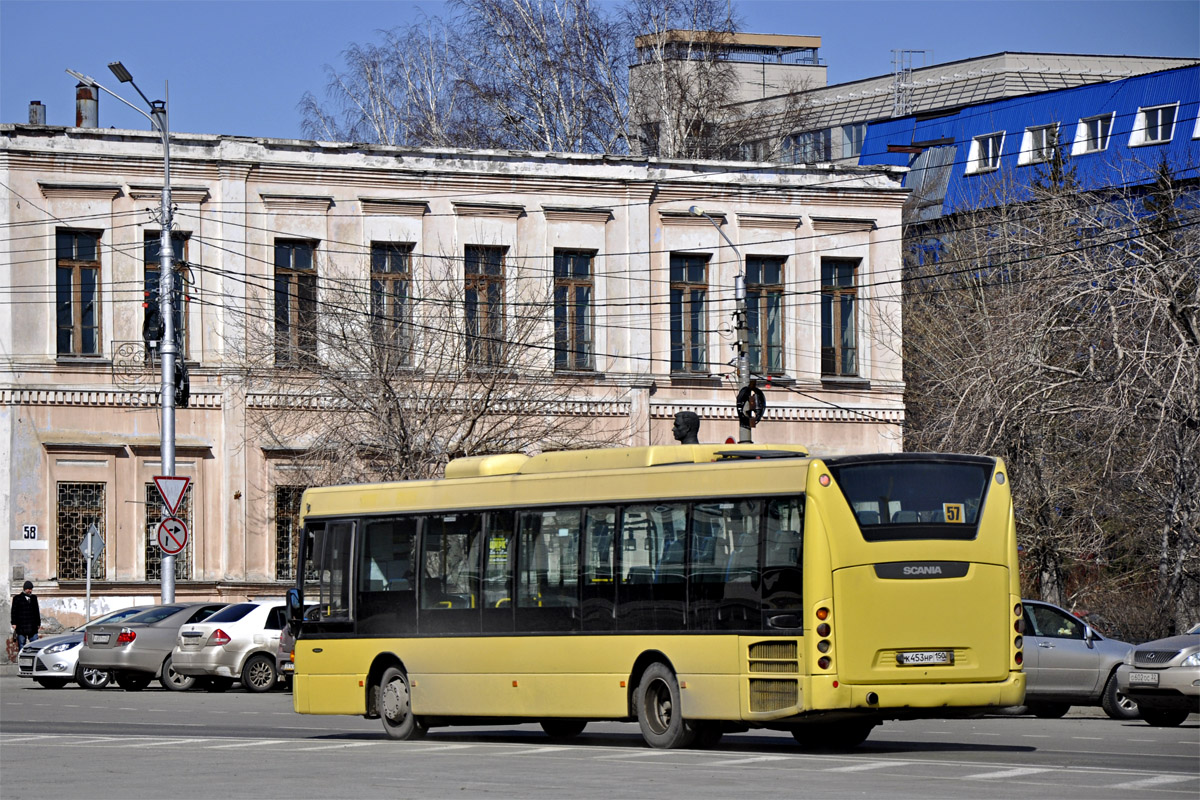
[
  {"x": 171, "y": 488},
  {"x": 172, "y": 535}
]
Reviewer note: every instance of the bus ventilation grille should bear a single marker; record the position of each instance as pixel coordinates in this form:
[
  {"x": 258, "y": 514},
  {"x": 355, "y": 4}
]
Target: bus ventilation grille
[{"x": 771, "y": 694}]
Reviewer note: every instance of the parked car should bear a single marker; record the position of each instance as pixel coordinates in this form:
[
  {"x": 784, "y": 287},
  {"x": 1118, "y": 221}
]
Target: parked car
[
  {"x": 53, "y": 661},
  {"x": 138, "y": 649},
  {"x": 238, "y": 642},
  {"x": 1163, "y": 676},
  {"x": 285, "y": 664},
  {"x": 1070, "y": 663}
]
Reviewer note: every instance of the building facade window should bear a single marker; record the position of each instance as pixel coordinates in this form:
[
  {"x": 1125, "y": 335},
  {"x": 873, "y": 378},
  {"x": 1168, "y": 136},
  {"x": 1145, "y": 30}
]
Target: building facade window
[
  {"x": 391, "y": 300},
  {"x": 1091, "y": 135},
  {"x": 295, "y": 301},
  {"x": 689, "y": 295},
  {"x": 1154, "y": 125},
  {"x": 288, "y": 532},
  {"x": 77, "y": 292},
  {"x": 764, "y": 314},
  {"x": 853, "y": 137},
  {"x": 156, "y": 512},
  {"x": 985, "y": 153},
  {"x": 79, "y": 506},
  {"x": 152, "y": 324},
  {"x": 1038, "y": 145},
  {"x": 573, "y": 284},
  {"x": 809, "y": 147},
  {"x": 839, "y": 335},
  {"x": 483, "y": 275}
]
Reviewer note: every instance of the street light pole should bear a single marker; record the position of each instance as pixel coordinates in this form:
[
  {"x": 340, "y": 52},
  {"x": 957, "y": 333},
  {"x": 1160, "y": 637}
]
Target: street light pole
[
  {"x": 745, "y": 387},
  {"x": 167, "y": 350}
]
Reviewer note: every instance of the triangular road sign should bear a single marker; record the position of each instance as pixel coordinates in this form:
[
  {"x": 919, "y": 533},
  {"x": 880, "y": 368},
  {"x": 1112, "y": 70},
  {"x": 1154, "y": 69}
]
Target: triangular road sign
[{"x": 171, "y": 488}]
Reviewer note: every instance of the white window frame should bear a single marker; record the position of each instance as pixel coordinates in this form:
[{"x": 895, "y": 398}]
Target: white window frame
[
  {"x": 981, "y": 147},
  {"x": 1080, "y": 145},
  {"x": 1031, "y": 153},
  {"x": 848, "y": 132},
  {"x": 1139, "y": 135}
]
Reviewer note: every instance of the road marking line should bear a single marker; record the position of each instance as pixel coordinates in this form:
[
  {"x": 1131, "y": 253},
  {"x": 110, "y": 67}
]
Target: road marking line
[
  {"x": 1155, "y": 781},
  {"x": 24, "y": 738},
  {"x": 246, "y": 743},
  {"x": 636, "y": 754},
  {"x": 1007, "y": 773},
  {"x": 335, "y": 746},
  {"x": 434, "y": 747},
  {"x": 536, "y": 750},
  {"x": 751, "y": 760},
  {"x": 1089, "y": 738},
  {"x": 1034, "y": 736},
  {"x": 868, "y": 765}
]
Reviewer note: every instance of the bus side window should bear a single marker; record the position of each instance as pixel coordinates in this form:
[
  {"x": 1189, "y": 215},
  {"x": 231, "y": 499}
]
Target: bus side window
[
  {"x": 599, "y": 589},
  {"x": 548, "y": 571},
  {"x": 386, "y": 591},
  {"x": 783, "y": 555}
]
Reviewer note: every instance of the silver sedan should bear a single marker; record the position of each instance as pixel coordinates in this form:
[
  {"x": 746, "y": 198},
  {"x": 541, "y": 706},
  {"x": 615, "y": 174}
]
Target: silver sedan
[
  {"x": 53, "y": 661},
  {"x": 138, "y": 649}
]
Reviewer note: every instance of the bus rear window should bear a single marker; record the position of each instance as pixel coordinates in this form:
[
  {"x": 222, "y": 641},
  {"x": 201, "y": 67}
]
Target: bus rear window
[{"x": 915, "y": 499}]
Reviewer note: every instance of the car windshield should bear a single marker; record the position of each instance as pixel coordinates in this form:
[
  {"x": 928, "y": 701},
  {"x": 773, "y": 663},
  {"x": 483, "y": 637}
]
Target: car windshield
[
  {"x": 115, "y": 616},
  {"x": 232, "y": 613},
  {"x": 156, "y": 614}
]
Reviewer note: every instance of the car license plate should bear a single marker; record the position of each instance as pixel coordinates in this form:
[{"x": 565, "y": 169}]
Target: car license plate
[
  {"x": 925, "y": 658},
  {"x": 100, "y": 638},
  {"x": 25, "y": 663},
  {"x": 1143, "y": 678}
]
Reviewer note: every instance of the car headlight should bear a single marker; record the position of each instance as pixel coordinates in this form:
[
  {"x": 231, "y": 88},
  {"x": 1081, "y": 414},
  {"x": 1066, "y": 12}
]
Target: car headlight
[
  {"x": 1193, "y": 660},
  {"x": 58, "y": 648}
]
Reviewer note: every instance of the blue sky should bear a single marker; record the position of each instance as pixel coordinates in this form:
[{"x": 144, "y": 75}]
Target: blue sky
[{"x": 241, "y": 67}]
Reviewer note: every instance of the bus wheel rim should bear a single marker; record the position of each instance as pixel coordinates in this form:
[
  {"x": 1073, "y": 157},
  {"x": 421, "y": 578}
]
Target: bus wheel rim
[
  {"x": 395, "y": 700},
  {"x": 659, "y": 697}
]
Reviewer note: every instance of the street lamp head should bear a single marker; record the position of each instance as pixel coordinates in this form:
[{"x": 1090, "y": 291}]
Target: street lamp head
[
  {"x": 119, "y": 70},
  {"x": 696, "y": 211},
  {"x": 84, "y": 79}
]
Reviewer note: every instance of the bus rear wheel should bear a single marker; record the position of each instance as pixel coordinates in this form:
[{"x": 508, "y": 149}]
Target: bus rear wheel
[
  {"x": 395, "y": 707},
  {"x": 659, "y": 711}
]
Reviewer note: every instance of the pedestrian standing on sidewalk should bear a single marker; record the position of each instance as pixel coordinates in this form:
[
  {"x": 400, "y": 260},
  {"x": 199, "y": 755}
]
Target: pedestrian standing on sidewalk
[{"x": 25, "y": 617}]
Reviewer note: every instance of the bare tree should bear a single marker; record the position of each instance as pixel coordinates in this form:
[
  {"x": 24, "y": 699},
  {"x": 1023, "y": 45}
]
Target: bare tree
[
  {"x": 1058, "y": 329},
  {"x": 391, "y": 386}
]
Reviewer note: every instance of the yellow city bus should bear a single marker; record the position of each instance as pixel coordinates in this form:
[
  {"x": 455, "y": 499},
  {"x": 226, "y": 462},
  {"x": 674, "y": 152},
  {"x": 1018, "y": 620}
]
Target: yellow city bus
[{"x": 694, "y": 589}]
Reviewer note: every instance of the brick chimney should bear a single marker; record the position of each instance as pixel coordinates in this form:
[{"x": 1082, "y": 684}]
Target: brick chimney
[{"x": 87, "y": 106}]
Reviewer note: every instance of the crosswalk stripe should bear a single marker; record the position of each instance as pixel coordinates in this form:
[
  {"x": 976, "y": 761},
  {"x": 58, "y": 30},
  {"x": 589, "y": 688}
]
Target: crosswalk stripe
[
  {"x": 246, "y": 743},
  {"x": 752, "y": 760},
  {"x": 868, "y": 765},
  {"x": 1155, "y": 781},
  {"x": 1007, "y": 773}
]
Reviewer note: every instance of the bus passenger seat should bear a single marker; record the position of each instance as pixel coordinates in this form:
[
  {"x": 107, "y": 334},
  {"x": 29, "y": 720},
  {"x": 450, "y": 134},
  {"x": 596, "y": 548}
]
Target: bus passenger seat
[
  {"x": 868, "y": 517},
  {"x": 901, "y": 517}
]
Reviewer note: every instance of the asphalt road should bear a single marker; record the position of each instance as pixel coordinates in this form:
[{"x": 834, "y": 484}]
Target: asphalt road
[{"x": 73, "y": 743}]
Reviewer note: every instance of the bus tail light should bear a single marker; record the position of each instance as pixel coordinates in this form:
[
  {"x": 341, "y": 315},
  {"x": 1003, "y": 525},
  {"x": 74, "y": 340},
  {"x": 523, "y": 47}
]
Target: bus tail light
[
  {"x": 1019, "y": 642},
  {"x": 1019, "y": 658},
  {"x": 823, "y": 629},
  {"x": 1019, "y": 626},
  {"x": 824, "y": 661},
  {"x": 822, "y": 613},
  {"x": 1017, "y": 609},
  {"x": 218, "y": 637},
  {"x": 126, "y": 636}
]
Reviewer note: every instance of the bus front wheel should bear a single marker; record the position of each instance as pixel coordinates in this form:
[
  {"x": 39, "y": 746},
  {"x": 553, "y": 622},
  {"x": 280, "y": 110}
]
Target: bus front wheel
[
  {"x": 659, "y": 712},
  {"x": 395, "y": 707}
]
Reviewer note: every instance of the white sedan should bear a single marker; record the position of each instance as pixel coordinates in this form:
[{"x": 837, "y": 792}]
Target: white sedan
[{"x": 239, "y": 642}]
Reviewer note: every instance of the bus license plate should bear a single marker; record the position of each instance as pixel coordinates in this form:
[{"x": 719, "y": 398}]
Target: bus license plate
[
  {"x": 1144, "y": 678},
  {"x": 925, "y": 658}
]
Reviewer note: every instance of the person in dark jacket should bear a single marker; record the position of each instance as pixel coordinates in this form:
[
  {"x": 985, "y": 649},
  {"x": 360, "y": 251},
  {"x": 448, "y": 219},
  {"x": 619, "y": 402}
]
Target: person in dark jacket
[{"x": 25, "y": 617}]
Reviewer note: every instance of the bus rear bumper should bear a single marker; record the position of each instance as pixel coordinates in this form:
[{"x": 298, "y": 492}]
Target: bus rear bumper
[{"x": 918, "y": 699}]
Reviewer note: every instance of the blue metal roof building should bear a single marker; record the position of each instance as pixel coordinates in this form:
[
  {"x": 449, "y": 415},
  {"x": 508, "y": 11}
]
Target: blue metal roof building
[{"x": 1112, "y": 134}]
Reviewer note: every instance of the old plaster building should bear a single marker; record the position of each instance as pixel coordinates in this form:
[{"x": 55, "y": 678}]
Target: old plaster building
[{"x": 651, "y": 287}]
